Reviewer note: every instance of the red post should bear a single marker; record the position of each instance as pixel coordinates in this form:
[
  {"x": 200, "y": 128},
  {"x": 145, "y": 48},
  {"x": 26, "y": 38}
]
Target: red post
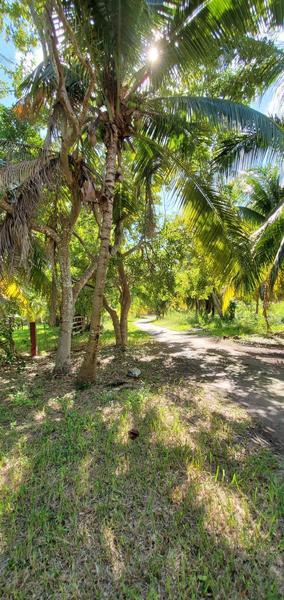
[{"x": 33, "y": 338}]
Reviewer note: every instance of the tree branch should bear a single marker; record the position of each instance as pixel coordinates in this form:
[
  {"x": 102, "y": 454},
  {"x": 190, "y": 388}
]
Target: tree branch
[
  {"x": 83, "y": 60},
  {"x": 46, "y": 230},
  {"x": 89, "y": 254},
  {"x": 62, "y": 92},
  {"x": 88, "y": 273},
  {"x": 68, "y": 139},
  {"x": 134, "y": 248}
]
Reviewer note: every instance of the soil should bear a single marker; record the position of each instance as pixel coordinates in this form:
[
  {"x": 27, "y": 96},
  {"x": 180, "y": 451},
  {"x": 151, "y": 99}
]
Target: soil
[{"x": 251, "y": 375}]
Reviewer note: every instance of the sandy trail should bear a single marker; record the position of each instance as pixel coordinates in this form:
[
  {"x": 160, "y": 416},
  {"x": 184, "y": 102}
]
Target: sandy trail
[{"x": 250, "y": 375}]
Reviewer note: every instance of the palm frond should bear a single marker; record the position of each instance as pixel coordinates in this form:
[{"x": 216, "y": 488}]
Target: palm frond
[
  {"x": 220, "y": 113},
  {"x": 172, "y": 129},
  {"x": 14, "y": 174},
  {"x": 245, "y": 151},
  {"x": 197, "y": 31},
  {"x": 209, "y": 215},
  {"x": 267, "y": 245},
  {"x": 111, "y": 31},
  {"x": 24, "y": 199},
  {"x": 277, "y": 264},
  {"x": 41, "y": 86},
  {"x": 248, "y": 69},
  {"x": 275, "y": 215},
  {"x": 250, "y": 215},
  {"x": 37, "y": 267}
]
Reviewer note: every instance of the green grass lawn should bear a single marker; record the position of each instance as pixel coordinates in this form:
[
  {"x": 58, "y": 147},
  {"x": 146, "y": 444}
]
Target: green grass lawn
[
  {"x": 47, "y": 337},
  {"x": 187, "y": 510},
  {"x": 245, "y": 323},
  {"x": 191, "y": 509}
]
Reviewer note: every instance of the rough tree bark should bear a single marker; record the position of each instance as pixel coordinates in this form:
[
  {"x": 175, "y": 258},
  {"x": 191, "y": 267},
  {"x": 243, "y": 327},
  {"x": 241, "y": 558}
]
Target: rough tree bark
[{"x": 89, "y": 365}]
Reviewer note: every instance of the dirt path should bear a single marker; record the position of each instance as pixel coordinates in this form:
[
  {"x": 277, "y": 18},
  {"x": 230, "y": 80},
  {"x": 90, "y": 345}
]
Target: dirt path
[{"x": 250, "y": 375}]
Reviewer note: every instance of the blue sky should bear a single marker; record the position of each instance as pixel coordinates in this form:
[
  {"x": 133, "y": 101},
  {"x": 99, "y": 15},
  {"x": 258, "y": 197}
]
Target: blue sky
[{"x": 7, "y": 54}]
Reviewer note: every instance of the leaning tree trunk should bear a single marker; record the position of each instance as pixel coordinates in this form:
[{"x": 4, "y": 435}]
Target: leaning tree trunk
[
  {"x": 89, "y": 366},
  {"x": 63, "y": 355},
  {"x": 115, "y": 322},
  {"x": 125, "y": 304}
]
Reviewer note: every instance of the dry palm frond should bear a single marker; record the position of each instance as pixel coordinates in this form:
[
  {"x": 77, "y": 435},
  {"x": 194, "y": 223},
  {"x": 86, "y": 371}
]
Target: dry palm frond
[
  {"x": 12, "y": 149},
  {"x": 14, "y": 231},
  {"x": 14, "y": 174}
]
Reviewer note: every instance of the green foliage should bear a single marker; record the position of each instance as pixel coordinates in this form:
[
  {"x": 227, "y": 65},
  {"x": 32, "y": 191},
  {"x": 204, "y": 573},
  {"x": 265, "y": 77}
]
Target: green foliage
[
  {"x": 16, "y": 135},
  {"x": 245, "y": 322},
  {"x": 261, "y": 203},
  {"x": 7, "y": 347}
]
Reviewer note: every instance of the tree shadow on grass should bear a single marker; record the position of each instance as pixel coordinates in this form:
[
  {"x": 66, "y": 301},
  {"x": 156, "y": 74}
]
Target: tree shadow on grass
[
  {"x": 251, "y": 381},
  {"x": 91, "y": 513}
]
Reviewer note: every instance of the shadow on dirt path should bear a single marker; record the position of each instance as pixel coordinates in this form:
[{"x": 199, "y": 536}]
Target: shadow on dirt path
[{"x": 252, "y": 376}]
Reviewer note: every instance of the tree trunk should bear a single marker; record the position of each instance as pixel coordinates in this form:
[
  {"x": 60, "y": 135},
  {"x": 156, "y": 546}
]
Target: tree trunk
[
  {"x": 196, "y": 310},
  {"x": 63, "y": 355},
  {"x": 89, "y": 366},
  {"x": 115, "y": 322},
  {"x": 265, "y": 305},
  {"x": 217, "y": 304},
  {"x": 125, "y": 304},
  {"x": 53, "y": 291},
  {"x": 257, "y": 303},
  {"x": 33, "y": 338}
]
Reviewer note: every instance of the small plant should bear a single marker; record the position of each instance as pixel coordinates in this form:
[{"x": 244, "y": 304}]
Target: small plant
[
  {"x": 21, "y": 397},
  {"x": 26, "y": 397}
]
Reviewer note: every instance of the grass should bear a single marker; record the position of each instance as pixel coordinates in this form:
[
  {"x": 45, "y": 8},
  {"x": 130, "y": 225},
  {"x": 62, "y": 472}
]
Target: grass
[
  {"x": 47, "y": 337},
  {"x": 187, "y": 510},
  {"x": 245, "y": 322}
]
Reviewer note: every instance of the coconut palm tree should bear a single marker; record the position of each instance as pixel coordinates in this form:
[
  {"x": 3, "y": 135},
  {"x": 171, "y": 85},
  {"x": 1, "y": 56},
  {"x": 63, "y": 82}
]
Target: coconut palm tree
[
  {"x": 261, "y": 207},
  {"x": 265, "y": 211},
  {"x": 109, "y": 82}
]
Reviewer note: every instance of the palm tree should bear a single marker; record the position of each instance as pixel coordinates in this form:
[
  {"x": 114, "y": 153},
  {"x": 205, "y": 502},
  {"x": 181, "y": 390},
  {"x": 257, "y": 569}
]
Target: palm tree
[
  {"x": 265, "y": 211},
  {"x": 108, "y": 84},
  {"x": 262, "y": 211}
]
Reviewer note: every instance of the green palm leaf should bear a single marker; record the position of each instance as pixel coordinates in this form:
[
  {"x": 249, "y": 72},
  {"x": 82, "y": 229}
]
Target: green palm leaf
[
  {"x": 245, "y": 151},
  {"x": 221, "y": 112},
  {"x": 250, "y": 215},
  {"x": 277, "y": 264},
  {"x": 197, "y": 31}
]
